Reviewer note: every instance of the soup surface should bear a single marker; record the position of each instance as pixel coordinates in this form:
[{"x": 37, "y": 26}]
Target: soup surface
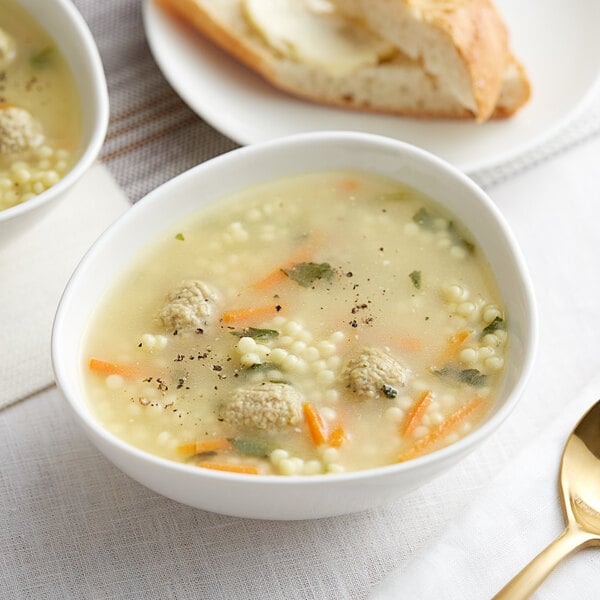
[
  {"x": 320, "y": 323},
  {"x": 40, "y": 115}
]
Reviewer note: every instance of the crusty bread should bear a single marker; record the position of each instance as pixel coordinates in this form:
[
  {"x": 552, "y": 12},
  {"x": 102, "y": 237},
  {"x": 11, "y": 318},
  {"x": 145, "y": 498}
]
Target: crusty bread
[{"x": 459, "y": 85}]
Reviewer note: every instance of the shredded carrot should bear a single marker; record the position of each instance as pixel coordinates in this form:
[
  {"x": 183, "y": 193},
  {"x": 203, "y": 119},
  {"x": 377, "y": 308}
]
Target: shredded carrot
[
  {"x": 454, "y": 344},
  {"x": 201, "y": 447},
  {"x": 252, "y": 314},
  {"x": 5, "y": 105},
  {"x": 337, "y": 437},
  {"x": 274, "y": 277},
  {"x": 411, "y": 344},
  {"x": 247, "y": 469},
  {"x": 441, "y": 430},
  {"x": 104, "y": 367},
  {"x": 349, "y": 185},
  {"x": 416, "y": 414},
  {"x": 316, "y": 423}
]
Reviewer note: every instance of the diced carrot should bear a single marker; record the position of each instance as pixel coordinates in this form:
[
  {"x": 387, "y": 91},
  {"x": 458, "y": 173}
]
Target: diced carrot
[
  {"x": 104, "y": 367},
  {"x": 416, "y": 413},
  {"x": 454, "y": 344},
  {"x": 411, "y": 344},
  {"x": 246, "y": 469},
  {"x": 251, "y": 314},
  {"x": 441, "y": 430},
  {"x": 337, "y": 437},
  {"x": 316, "y": 423},
  {"x": 201, "y": 447}
]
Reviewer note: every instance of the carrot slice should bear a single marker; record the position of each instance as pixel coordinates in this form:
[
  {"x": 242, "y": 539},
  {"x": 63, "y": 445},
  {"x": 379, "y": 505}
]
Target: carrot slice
[
  {"x": 416, "y": 414},
  {"x": 201, "y": 447},
  {"x": 454, "y": 344},
  {"x": 247, "y": 469},
  {"x": 443, "y": 429},
  {"x": 349, "y": 184},
  {"x": 252, "y": 314},
  {"x": 104, "y": 367},
  {"x": 337, "y": 437},
  {"x": 316, "y": 423}
]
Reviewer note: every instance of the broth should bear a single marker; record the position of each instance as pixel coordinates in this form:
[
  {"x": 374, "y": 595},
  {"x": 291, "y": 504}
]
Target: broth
[{"x": 319, "y": 323}]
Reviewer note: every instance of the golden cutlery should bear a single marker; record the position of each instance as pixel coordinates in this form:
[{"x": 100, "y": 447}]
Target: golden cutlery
[{"x": 579, "y": 486}]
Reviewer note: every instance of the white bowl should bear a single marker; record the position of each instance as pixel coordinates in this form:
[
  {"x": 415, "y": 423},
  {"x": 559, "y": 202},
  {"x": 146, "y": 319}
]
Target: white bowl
[
  {"x": 279, "y": 497},
  {"x": 71, "y": 34}
]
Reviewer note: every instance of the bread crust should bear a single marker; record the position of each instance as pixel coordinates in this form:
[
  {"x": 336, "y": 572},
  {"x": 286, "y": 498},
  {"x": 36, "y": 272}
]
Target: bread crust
[{"x": 247, "y": 47}]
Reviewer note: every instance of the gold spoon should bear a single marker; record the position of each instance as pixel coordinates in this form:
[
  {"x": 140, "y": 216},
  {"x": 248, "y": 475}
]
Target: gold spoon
[{"x": 580, "y": 494}]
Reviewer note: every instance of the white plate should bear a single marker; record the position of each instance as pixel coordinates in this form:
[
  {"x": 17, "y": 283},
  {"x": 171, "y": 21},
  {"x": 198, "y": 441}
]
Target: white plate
[{"x": 558, "y": 43}]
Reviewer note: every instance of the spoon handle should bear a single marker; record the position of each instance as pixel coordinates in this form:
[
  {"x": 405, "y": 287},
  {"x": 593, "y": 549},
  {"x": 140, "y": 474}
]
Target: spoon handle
[{"x": 523, "y": 584}]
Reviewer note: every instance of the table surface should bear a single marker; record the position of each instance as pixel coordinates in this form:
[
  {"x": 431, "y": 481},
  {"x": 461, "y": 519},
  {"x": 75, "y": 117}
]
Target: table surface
[{"x": 73, "y": 526}]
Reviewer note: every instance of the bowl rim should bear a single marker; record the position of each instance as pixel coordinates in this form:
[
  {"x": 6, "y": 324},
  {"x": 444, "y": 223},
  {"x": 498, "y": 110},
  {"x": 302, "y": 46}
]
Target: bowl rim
[
  {"x": 100, "y": 120},
  {"x": 459, "y": 448}
]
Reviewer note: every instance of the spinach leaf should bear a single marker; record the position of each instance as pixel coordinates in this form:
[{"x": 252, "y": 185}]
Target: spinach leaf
[
  {"x": 423, "y": 218},
  {"x": 458, "y": 240},
  {"x": 252, "y": 446},
  {"x": 257, "y": 334},
  {"x": 306, "y": 273},
  {"x": 42, "y": 58},
  {"x": 495, "y": 325},
  {"x": 472, "y": 377},
  {"x": 415, "y": 277}
]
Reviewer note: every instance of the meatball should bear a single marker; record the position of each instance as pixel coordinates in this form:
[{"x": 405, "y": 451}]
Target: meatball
[
  {"x": 7, "y": 49},
  {"x": 188, "y": 307},
  {"x": 374, "y": 373},
  {"x": 18, "y": 131},
  {"x": 264, "y": 406}
]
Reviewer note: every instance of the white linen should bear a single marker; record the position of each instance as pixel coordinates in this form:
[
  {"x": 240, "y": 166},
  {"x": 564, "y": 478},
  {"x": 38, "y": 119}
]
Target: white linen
[
  {"x": 73, "y": 526},
  {"x": 34, "y": 269}
]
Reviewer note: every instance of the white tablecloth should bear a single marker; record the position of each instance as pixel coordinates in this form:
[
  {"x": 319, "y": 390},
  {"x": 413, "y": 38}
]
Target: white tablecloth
[{"x": 73, "y": 526}]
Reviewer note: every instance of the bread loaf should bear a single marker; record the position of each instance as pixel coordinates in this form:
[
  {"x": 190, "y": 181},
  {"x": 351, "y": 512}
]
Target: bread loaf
[{"x": 421, "y": 58}]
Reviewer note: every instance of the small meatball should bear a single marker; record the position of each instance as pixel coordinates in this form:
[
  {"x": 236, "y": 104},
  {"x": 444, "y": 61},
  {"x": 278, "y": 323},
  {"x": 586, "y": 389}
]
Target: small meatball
[
  {"x": 189, "y": 307},
  {"x": 7, "y": 49},
  {"x": 18, "y": 131},
  {"x": 374, "y": 373},
  {"x": 264, "y": 406}
]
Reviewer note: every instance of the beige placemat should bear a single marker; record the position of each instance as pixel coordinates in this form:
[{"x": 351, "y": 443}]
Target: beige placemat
[{"x": 34, "y": 269}]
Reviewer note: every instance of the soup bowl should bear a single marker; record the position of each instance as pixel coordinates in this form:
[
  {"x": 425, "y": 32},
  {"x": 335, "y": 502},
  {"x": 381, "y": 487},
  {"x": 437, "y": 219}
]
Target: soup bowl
[
  {"x": 67, "y": 28},
  {"x": 292, "y": 497}
]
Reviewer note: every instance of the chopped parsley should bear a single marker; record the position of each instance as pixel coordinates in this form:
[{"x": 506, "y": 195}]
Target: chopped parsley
[
  {"x": 306, "y": 273},
  {"x": 423, "y": 218},
  {"x": 180, "y": 237},
  {"x": 42, "y": 58},
  {"x": 472, "y": 377},
  {"x": 415, "y": 277}
]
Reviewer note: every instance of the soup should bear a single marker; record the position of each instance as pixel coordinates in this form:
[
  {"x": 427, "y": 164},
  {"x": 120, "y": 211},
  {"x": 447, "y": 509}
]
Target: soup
[
  {"x": 320, "y": 323},
  {"x": 40, "y": 115}
]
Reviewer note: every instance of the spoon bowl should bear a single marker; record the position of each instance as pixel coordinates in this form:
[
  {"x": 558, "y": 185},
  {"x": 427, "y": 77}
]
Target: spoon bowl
[{"x": 580, "y": 495}]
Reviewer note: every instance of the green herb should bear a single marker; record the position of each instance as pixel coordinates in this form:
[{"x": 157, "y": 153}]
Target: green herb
[
  {"x": 389, "y": 391},
  {"x": 415, "y": 277},
  {"x": 472, "y": 377},
  {"x": 423, "y": 218},
  {"x": 495, "y": 325},
  {"x": 179, "y": 236},
  {"x": 262, "y": 366},
  {"x": 459, "y": 240},
  {"x": 256, "y": 334},
  {"x": 252, "y": 446},
  {"x": 42, "y": 58},
  {"x": 306, "y": 273}
]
